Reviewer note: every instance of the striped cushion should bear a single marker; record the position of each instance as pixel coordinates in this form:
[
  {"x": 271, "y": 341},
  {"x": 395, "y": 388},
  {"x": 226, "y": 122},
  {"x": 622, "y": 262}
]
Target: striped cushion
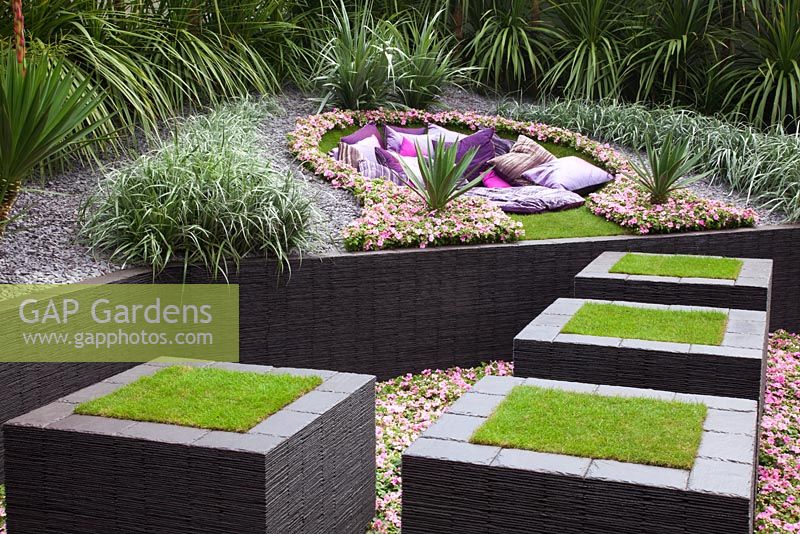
[
  {"x": 526, "y": 145},
  {"x": 350, "y": 154},
  {"x": 524, "y": 155}
]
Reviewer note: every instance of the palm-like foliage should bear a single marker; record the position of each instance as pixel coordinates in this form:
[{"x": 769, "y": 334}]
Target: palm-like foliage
[
  {"x": 150, "y": 59},
  {"x": 355, "y": 67},
  {"x": 589, "y": 41},
  {"x": 677, "y": 42},
  {"x": 668, "y": 170},
  {"x": 426, "y": 62},
  {"x": 765, "y": 77},
  {"x": 507, "y": 48},
  {"x": 441, "y": 175},
  {"x": 41, "y": 115}
]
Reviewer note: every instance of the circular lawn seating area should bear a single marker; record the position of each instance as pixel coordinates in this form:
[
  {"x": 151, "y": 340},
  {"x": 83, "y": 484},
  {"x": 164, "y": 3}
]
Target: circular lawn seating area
[{"x": 394, "y": 217}]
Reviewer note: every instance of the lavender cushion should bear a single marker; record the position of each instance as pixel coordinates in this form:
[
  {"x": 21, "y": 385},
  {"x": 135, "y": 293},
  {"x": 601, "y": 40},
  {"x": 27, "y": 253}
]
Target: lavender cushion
[
  {"x": 492, "y": 179},
  {"x": 528, "y": 199},
  {"x": 376, "y": 171},
  {"x": 481, "y": 139},
  {"x": 570, "y": 173},
  {"x": 388, "y": 159},
  {"x": 501, "y": 145},
  {"x": 368, "y": 130},
  {"x": 396, "y": 135}
]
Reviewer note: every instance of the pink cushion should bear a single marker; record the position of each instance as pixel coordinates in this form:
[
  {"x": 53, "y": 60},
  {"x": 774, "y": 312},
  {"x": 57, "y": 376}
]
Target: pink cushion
[
  {"x": 407, "y": 148},
  {"x": 492, "y": 179},
  {"x": 395, "y": 138}
]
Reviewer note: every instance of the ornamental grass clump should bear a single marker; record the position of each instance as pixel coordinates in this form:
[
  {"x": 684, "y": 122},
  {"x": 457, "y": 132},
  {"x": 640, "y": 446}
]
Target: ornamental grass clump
[
  {"x": 205, "y": 198},
  {"x": 426, "y": 64},
  {"x": 355, "y": 62}
]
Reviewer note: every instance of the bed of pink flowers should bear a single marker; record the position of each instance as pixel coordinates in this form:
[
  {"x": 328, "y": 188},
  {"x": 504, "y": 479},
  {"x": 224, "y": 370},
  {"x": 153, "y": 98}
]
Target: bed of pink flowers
[
  {"x": 392, "y": 216},
  {"x": 628, "y": 205},
  {"x": 399, "y": 219},
  {"x": 779, "y": 458},
  {"x": 405, "y": 407}
]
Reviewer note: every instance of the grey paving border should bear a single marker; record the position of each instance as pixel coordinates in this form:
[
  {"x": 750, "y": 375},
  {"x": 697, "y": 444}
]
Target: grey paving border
[
  {"x": 750, "y": 291},
  {"x": 736, "y": 368},
  {"x": 452, "y": 485},
  {"x": 310, "y": 467}
]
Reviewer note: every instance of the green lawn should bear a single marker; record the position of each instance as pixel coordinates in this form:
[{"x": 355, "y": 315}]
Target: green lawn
[
  {"x": 613, "y": 320},
  {"x": 215, "y": 399},
  {"x": 578, "y": 222},
  {"x": 677, "y": 265},
  {"x": 644, "y": 431}
]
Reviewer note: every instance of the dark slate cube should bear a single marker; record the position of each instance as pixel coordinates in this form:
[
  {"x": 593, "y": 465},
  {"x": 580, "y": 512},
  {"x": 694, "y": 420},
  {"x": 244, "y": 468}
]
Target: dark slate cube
[
  {"x": 750, "y": 291},
  {"x": 310, "y": 467},
  {"x": 452, "y": 485},
  {"x": 735, "y": 368}
]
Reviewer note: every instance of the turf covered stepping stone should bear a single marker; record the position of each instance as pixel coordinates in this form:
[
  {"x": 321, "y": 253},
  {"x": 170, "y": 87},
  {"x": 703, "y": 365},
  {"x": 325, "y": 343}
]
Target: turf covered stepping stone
[
  {"x": 197, "y": 447},
  {"x": 740, "y": 283},
  {"x": 710, "y": 351},
  {"x": 531, "y": 455}
]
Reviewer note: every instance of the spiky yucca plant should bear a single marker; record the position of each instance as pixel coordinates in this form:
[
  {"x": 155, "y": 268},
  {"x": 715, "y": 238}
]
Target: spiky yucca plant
[
  {"x": 670, "y": 166},
  {"x": 441, "y": 175}
]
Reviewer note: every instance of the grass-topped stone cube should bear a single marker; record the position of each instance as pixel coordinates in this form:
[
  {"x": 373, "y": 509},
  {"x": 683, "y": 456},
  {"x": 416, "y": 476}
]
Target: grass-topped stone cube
[
  {"x": 188, "y": 446},
  {"x": 688, "y": 349},
  {"x": 714, "y": 281},
  {"x": 522, "y": 455}
]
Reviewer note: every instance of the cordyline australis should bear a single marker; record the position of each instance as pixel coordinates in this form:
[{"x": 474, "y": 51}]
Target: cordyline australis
[{"x": 19, "y": 31}]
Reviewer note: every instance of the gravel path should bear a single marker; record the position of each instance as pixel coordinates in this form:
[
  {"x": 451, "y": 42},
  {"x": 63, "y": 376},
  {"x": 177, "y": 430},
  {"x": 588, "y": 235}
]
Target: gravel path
[{"x": 40, "y": 246}]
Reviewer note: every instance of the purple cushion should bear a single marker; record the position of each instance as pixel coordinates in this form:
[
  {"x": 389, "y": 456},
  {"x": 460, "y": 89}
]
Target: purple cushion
[
  {"x": 390, "y": 159},
  {"x": 570, "y": 173},
  {"x": 361, "y": 134},
  {"x": 492, "y": 179},
  {"x": 481, "y": 139},
  {"x": 501, "y": 145},
  {"x": 395, "y": 137},
  {"x": 408, "y": 130}
]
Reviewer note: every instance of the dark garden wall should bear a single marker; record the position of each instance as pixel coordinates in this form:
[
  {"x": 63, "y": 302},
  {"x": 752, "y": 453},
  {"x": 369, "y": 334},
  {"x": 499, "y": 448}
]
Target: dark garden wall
[{"x": 394, "y": 312}]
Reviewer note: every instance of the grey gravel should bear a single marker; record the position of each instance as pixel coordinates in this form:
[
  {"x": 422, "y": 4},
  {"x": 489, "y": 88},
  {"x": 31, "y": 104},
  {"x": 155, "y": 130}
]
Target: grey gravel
[
  {"x": 335, "y": 207},
  {"x": 40, "y": 245}
]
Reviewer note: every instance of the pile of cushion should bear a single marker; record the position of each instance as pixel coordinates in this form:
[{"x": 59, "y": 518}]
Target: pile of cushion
[{"x": 524, "y": 163}]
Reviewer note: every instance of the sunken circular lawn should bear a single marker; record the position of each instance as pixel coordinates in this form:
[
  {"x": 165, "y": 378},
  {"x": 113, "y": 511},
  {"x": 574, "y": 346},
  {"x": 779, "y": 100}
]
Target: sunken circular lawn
[{"x": 394, "y": 217}]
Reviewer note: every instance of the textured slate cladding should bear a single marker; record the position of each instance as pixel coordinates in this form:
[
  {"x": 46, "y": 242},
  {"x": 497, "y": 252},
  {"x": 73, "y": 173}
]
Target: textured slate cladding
[
  {"x": 750, "y": 290},
  {"x": 309, "y": 468},
  {"x": 452, "y": 485},
  {"x": 735, "y": 368}
]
